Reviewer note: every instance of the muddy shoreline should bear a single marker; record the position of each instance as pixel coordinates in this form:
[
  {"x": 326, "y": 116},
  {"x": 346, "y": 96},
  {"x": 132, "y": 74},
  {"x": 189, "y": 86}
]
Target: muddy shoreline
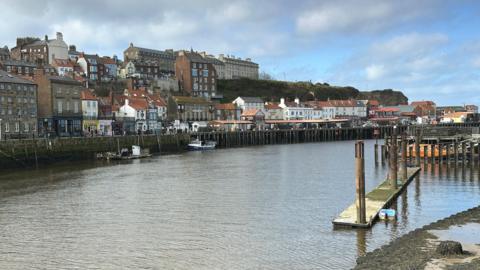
[{"x": 416, "y": 249}]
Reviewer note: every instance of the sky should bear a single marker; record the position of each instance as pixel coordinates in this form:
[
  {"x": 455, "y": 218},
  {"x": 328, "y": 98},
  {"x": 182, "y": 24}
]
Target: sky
[{"x": 429, "y": 49}]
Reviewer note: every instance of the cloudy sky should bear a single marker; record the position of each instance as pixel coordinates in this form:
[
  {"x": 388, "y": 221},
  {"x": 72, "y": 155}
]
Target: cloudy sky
[{"x": 430, "y": 49}]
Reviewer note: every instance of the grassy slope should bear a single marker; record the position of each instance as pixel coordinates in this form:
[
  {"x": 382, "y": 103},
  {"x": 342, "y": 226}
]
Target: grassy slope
[{"x": 274, "y": 90}]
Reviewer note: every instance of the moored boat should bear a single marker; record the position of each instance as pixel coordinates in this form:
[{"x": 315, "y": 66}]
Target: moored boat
[
  {"x": 386, "y": 214},
  {"x": 199, "y": 145}
]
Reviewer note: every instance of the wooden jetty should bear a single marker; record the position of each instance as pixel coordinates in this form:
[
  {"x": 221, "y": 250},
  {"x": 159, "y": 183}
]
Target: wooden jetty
[{"x": 375, "y": 200}]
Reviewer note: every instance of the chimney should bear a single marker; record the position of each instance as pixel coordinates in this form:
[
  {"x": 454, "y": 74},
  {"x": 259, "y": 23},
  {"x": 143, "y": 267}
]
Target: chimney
[
  {"x": 59, "y": 36},
  {"x": 126, "y": 102},
  {"x": 282, "y": 101},
  {"x": 72, "y": 48},
  {"x": 46, "y": 38},
  {"x": 297, "y": 101},
  {"x": 131, "y": 44}
]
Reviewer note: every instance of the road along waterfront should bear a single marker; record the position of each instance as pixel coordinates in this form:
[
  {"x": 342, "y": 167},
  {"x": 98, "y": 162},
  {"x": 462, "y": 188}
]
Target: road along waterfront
[{"x": 267, "y": 207}]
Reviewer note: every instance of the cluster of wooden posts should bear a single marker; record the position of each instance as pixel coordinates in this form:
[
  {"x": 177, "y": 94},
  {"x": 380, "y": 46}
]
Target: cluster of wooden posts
[{"x": 396, "y": 146}]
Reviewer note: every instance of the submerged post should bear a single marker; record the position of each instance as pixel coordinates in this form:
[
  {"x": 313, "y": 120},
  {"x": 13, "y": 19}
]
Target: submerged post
[
  {"x": 393, "y": 160},
  {"x": 360, "y": 182},
  {"x": 403, "y": 164},
  {"x": 375, "y": 149}
]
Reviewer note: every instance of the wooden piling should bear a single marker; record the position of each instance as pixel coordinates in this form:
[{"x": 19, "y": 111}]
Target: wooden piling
[
  {"x": 393, "y": 162},
  {"x": 455, "y": 152},
  {"x": 432, "y": 153},
  {"x": 383, "y": 152},
  {"x": 472, "y": 153},
  {"x": 417, "y": 151},
  {"x": 403, "y": 164},
  {"x": 425, "y": 153},
  {"x": 375, "y": 149},
  {"x": 464, "y": 153},
  {"x": 360, "y": 182}
]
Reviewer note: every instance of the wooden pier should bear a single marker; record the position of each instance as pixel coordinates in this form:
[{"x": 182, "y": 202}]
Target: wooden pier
[{"x": 375, "y": 200}]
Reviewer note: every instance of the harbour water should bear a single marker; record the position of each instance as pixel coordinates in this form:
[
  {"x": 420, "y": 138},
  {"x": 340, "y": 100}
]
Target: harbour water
[{"x": 267, "y": 207}]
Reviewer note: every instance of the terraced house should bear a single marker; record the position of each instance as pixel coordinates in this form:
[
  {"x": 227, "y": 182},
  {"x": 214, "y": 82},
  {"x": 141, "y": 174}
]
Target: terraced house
[
  {"x": 18, "y": 107},
  {"x": 59, "y": 105}
]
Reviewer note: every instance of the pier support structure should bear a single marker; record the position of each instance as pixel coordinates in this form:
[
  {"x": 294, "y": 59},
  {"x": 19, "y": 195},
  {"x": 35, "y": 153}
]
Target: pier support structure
[
  {"x": 393, "y": 161},
  {"x": 360, "y": 182}
]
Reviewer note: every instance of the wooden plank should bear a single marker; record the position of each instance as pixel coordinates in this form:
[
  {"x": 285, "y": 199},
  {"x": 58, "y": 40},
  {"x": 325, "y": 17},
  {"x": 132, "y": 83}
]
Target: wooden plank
[{"x": 375, "y": 200}]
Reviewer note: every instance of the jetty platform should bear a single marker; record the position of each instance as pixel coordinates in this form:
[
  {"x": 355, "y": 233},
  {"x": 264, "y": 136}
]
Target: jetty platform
[{"x": 377, "y": 199}]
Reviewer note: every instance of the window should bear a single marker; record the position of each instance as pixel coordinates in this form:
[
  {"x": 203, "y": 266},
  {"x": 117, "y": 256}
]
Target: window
[
  {"x": 26, "y": 126},
  {"x": 59, "y": 106},
  {"x": 75, "y": 106},
  {"x": 194, "y": 72},
  {"x": 2, "y": 86},
  {"x": 205, "y": 73},
  {"x": 17, "y": 126},
  {"x": 68, "y": 105},
  {"x": 7, "y": 127}
]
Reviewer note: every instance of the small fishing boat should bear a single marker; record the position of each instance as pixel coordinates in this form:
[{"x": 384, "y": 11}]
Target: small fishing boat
[
  {"x": 199, "y": 145},
  {"x": 125, "y": 154},
  {"x": 386, "y": 214}
]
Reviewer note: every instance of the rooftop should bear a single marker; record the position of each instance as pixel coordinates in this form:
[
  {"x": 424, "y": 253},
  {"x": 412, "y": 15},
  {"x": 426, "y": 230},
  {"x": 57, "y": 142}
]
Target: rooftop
[{"x": 8, "y": 78}]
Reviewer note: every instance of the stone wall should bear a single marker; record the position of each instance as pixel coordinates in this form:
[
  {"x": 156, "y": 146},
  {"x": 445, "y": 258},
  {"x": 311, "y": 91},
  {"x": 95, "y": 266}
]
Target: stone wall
[{"x": 32, "y": 152}]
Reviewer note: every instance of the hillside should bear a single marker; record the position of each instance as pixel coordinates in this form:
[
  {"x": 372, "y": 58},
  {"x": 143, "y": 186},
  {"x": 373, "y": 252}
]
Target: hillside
[{"x": 274, "y": 90}]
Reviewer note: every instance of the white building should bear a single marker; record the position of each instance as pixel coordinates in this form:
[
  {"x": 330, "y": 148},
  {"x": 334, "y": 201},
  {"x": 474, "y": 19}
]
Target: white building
[
  {"x": 246, "y": 103},
  {"x": 57, "y": 48},
  {"x": 135, "y": 109},
  {"x": 89, "y": 105},
  {"x": 295, "y": 110}
]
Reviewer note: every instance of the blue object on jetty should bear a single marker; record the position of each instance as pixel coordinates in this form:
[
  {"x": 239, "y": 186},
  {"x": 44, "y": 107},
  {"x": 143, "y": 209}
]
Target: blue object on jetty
[{"x": 387, "y": 214}]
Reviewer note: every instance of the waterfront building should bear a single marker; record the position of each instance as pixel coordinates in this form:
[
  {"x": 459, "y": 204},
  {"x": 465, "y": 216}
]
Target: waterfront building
[
  {"x": 135, "y": 109},
  {"x": 246, "y": 103},
  {"x": 90, "y": 122},
  {"x": 227, "y": 111},
  {"x": 236, "y": 68},
  {"x": 39, "y": 51},
  {"x": 295, "y": 110},
  {"x": 196, "y": 76},
  {"x": 190, "y": 109},
  {"x": 59, "y": 105},
  {"x": 273, "y": 111},
  {"x": 4, "y": 54},
  {"x": 459, "y": 117},
  {"x": 348, "y": 108},
  {"x": 425, "y": 109},
  {"x": 255, "y": 116},
  {"x": 163, "y": 61},
  {"x": 18, "y": 107}
]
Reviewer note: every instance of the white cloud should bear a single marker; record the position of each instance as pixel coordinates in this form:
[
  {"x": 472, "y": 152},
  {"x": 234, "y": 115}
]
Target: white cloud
[
  {"x": 375, "y": 72},
  {"x": 366, "y": 16}
]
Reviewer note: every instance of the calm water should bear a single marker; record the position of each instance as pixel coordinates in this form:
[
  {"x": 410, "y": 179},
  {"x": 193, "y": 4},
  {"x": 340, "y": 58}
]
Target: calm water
[{"x": 264, "y": 207}]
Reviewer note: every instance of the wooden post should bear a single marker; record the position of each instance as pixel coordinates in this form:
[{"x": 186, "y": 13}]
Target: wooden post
[
  {"x": 464, "y": 153},
  {"x": 417, "y": 151},
  {"x": 425, "y": 153},
  {"x": 455, "y": 151},
  {"x": 360, "y": 182},
  {"x": 403, "y": 164},
  {"x": 472, "y": 153},
  {"x": 432, "y": 153},
  {"x": 447, "y": 153},
  {"x": 393, "y": 161},
  {"x": 375, "y": 149},
  {"x": 383, "y": 152},
  {"x": 410, "y": 153}
]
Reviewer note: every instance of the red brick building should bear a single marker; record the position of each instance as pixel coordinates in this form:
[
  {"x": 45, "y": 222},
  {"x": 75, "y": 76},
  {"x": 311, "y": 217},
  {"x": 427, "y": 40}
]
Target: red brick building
[{"x": 196, "y": 75}]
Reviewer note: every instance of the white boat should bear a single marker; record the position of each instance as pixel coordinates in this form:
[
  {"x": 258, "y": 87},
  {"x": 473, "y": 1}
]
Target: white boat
[{"x": 199, "y": 145}]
